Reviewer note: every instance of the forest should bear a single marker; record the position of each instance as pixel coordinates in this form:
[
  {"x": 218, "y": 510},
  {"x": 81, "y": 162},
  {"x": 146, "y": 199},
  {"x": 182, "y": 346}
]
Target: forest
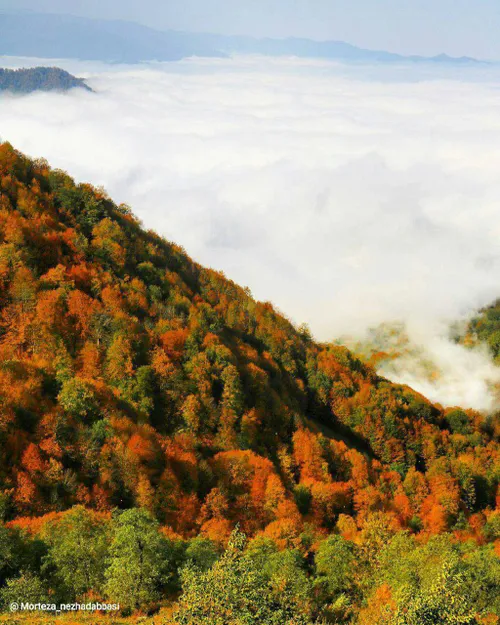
[
  {"x": 39, "y": 79},
  {"x": 169, "y": 444}
]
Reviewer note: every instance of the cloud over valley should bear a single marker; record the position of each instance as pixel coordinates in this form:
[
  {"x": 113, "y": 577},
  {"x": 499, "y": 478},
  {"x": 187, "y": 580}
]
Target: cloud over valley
[{"x": 348, "y": 196}]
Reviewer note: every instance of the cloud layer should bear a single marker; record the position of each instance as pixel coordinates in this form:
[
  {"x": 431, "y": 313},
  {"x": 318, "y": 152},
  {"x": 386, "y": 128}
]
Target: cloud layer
[{"x": 347, "y": 196}]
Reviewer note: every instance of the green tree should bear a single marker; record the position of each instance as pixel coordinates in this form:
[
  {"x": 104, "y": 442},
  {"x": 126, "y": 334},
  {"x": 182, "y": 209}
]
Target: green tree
[
  {"x": 303, "y": 498},
  {"x": 434, "y": 583},
  {"x": 79, "y": 543},
  {"x": 335, "y": 565},
  {"x": 232, "y": 395},
  {"x": 458, "y": 421},
  {"x": 398, "y": 562},
  {"x": 27, "y": 588},
  {"x": 11, "y": 552},
  {"x": 202, "y": 552},
  {"x": 77, "y": 398},
  {"x": 138, "y": 560},
  {"x": 285, "y": 572},
  {"x": 237, "y": 591},
  {"x": 482, "y": 578},
  {"x": 491, "y": 529},
  {"x": 444, "y": 602}
]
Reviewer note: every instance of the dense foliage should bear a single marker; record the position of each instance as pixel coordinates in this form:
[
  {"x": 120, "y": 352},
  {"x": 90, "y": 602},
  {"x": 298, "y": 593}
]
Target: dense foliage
[
  {"x": 163, "y": 406},
  {"x": 380, "y": 577},
  {"x": 39, "y": 79}
]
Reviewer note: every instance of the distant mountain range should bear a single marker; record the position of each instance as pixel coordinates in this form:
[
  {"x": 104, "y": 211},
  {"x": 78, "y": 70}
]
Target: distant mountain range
[
  {"x": 39, "y": 79},
  {"x": 65, "y": 36}
]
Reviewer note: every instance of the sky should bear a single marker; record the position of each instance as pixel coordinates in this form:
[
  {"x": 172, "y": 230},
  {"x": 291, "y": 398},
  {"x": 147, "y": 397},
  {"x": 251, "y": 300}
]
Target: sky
[
  {"x": 347, "y": 196},
  {"x": 426, "y": 27}
]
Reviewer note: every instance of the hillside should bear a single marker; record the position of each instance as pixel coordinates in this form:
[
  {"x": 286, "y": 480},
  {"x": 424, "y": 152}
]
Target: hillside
[
  {"x": 66, "y": 36},
  {"x": 39, "y": 79},
  {"x": 132, "y": 377}
]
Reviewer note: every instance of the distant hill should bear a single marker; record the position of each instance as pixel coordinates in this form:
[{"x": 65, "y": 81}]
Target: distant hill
[
  {"x": 39, "y": 79},
  {"x": 65, "y": 36}
]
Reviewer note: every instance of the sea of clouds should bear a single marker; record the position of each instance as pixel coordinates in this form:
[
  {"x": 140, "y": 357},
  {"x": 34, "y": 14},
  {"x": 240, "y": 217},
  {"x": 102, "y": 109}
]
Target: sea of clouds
[{"x": 347, "y": 196}]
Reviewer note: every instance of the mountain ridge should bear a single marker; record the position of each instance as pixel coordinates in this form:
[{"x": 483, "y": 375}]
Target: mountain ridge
[{"x": 65, "y": 36}]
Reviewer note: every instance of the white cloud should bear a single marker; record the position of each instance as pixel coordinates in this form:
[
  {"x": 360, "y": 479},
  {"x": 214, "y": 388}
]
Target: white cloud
[
  {"x": 463, "y": 377},
  {"x": 346, "y": 195}
]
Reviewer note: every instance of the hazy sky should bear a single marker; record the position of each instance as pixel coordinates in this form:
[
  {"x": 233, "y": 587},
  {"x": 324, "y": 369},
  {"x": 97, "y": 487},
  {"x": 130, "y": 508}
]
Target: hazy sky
[{"x": 457, "y": 27}]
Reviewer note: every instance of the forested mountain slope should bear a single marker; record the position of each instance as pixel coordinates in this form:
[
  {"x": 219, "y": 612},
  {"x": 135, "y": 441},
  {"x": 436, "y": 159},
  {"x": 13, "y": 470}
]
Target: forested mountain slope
[{"x": 131, "y": 376}]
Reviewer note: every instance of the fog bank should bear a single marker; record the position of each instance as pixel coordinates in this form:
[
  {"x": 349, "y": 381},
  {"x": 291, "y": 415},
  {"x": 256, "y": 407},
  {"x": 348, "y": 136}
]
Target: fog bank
[{"x": 347, "y": 196}]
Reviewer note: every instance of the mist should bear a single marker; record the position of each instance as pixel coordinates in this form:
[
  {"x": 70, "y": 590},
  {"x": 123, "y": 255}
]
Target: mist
[{"x": 346, "y": 195}]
